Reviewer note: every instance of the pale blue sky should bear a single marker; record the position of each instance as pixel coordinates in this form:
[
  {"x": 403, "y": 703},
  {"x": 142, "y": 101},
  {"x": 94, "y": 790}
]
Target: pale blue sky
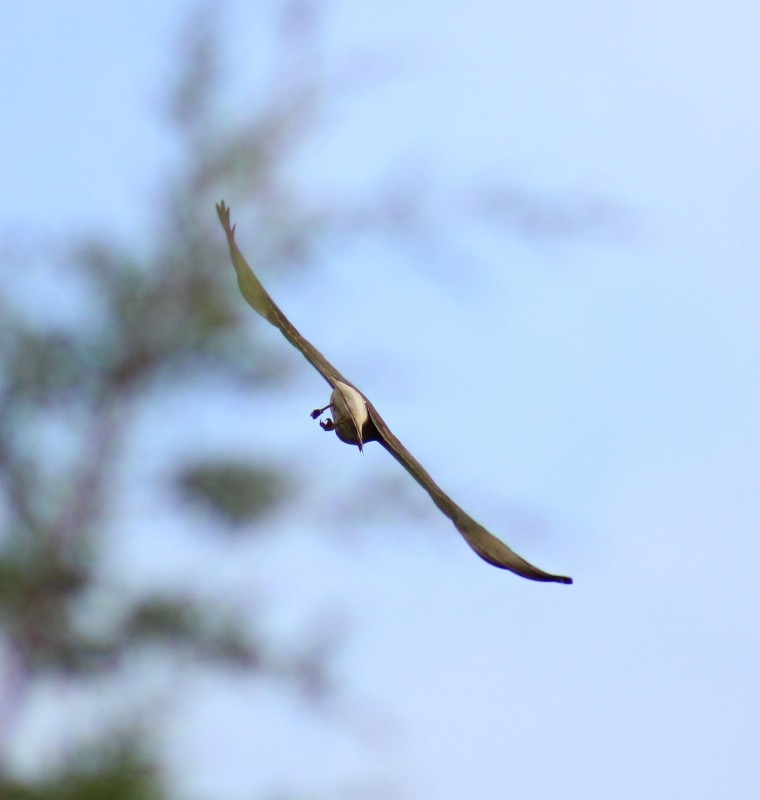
[{"x": 606, "y": 388}]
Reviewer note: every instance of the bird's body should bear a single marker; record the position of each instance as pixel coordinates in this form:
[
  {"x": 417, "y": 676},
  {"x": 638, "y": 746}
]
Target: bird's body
[
  {"x": 350, "y": 416},
  {"x": 356, "y": 421}
]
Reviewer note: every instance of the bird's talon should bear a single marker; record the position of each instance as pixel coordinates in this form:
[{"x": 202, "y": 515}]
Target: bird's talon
[{"x": 319, "y": 411}]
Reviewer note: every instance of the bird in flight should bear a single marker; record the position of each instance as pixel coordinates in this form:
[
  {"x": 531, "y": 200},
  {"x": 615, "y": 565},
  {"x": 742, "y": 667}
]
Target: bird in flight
[{"x": 356, "y": 421}]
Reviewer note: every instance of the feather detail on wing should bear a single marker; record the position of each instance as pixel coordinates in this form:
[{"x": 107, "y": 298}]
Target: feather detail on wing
[
  {"x": 484, "y": 543},
  {"x": 260, "y": 301}
]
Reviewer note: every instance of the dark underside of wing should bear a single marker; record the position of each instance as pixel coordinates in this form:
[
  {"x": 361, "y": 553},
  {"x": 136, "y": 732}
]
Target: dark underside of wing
[{"x": 484, "y": 543}]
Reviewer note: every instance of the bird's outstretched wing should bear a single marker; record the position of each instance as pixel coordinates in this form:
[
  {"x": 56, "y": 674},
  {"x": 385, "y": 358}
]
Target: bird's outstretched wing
[
  {"x": 485, "y": 544},
  {"x": 260, "y": 301}
]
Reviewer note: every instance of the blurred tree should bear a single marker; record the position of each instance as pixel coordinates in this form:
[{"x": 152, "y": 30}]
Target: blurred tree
[{"x": 161, "y": 316}]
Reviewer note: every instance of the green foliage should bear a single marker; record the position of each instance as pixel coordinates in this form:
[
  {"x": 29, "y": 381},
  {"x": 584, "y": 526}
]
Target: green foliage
[
  {"x": 183, "y": 622},
  {"x": 236, "y": 492},
  {"x": 114, "y": 771},
  {"x": 47, "y": 366},
  {"x": 161, "y": 315}
]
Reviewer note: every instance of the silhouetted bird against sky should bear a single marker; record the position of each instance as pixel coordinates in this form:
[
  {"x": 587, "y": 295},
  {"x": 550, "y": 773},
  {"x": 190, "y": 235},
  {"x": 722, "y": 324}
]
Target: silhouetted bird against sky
[{"x": 356, "y": 421}]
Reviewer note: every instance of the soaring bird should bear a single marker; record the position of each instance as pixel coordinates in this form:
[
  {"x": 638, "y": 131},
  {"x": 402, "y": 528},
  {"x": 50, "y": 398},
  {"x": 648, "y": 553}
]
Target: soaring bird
[{"x": 356, "y": 421}]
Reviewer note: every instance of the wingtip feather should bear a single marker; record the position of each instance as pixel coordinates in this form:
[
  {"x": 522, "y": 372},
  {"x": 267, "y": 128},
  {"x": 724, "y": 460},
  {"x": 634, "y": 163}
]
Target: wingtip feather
[{"x": 499, "y": 555}]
